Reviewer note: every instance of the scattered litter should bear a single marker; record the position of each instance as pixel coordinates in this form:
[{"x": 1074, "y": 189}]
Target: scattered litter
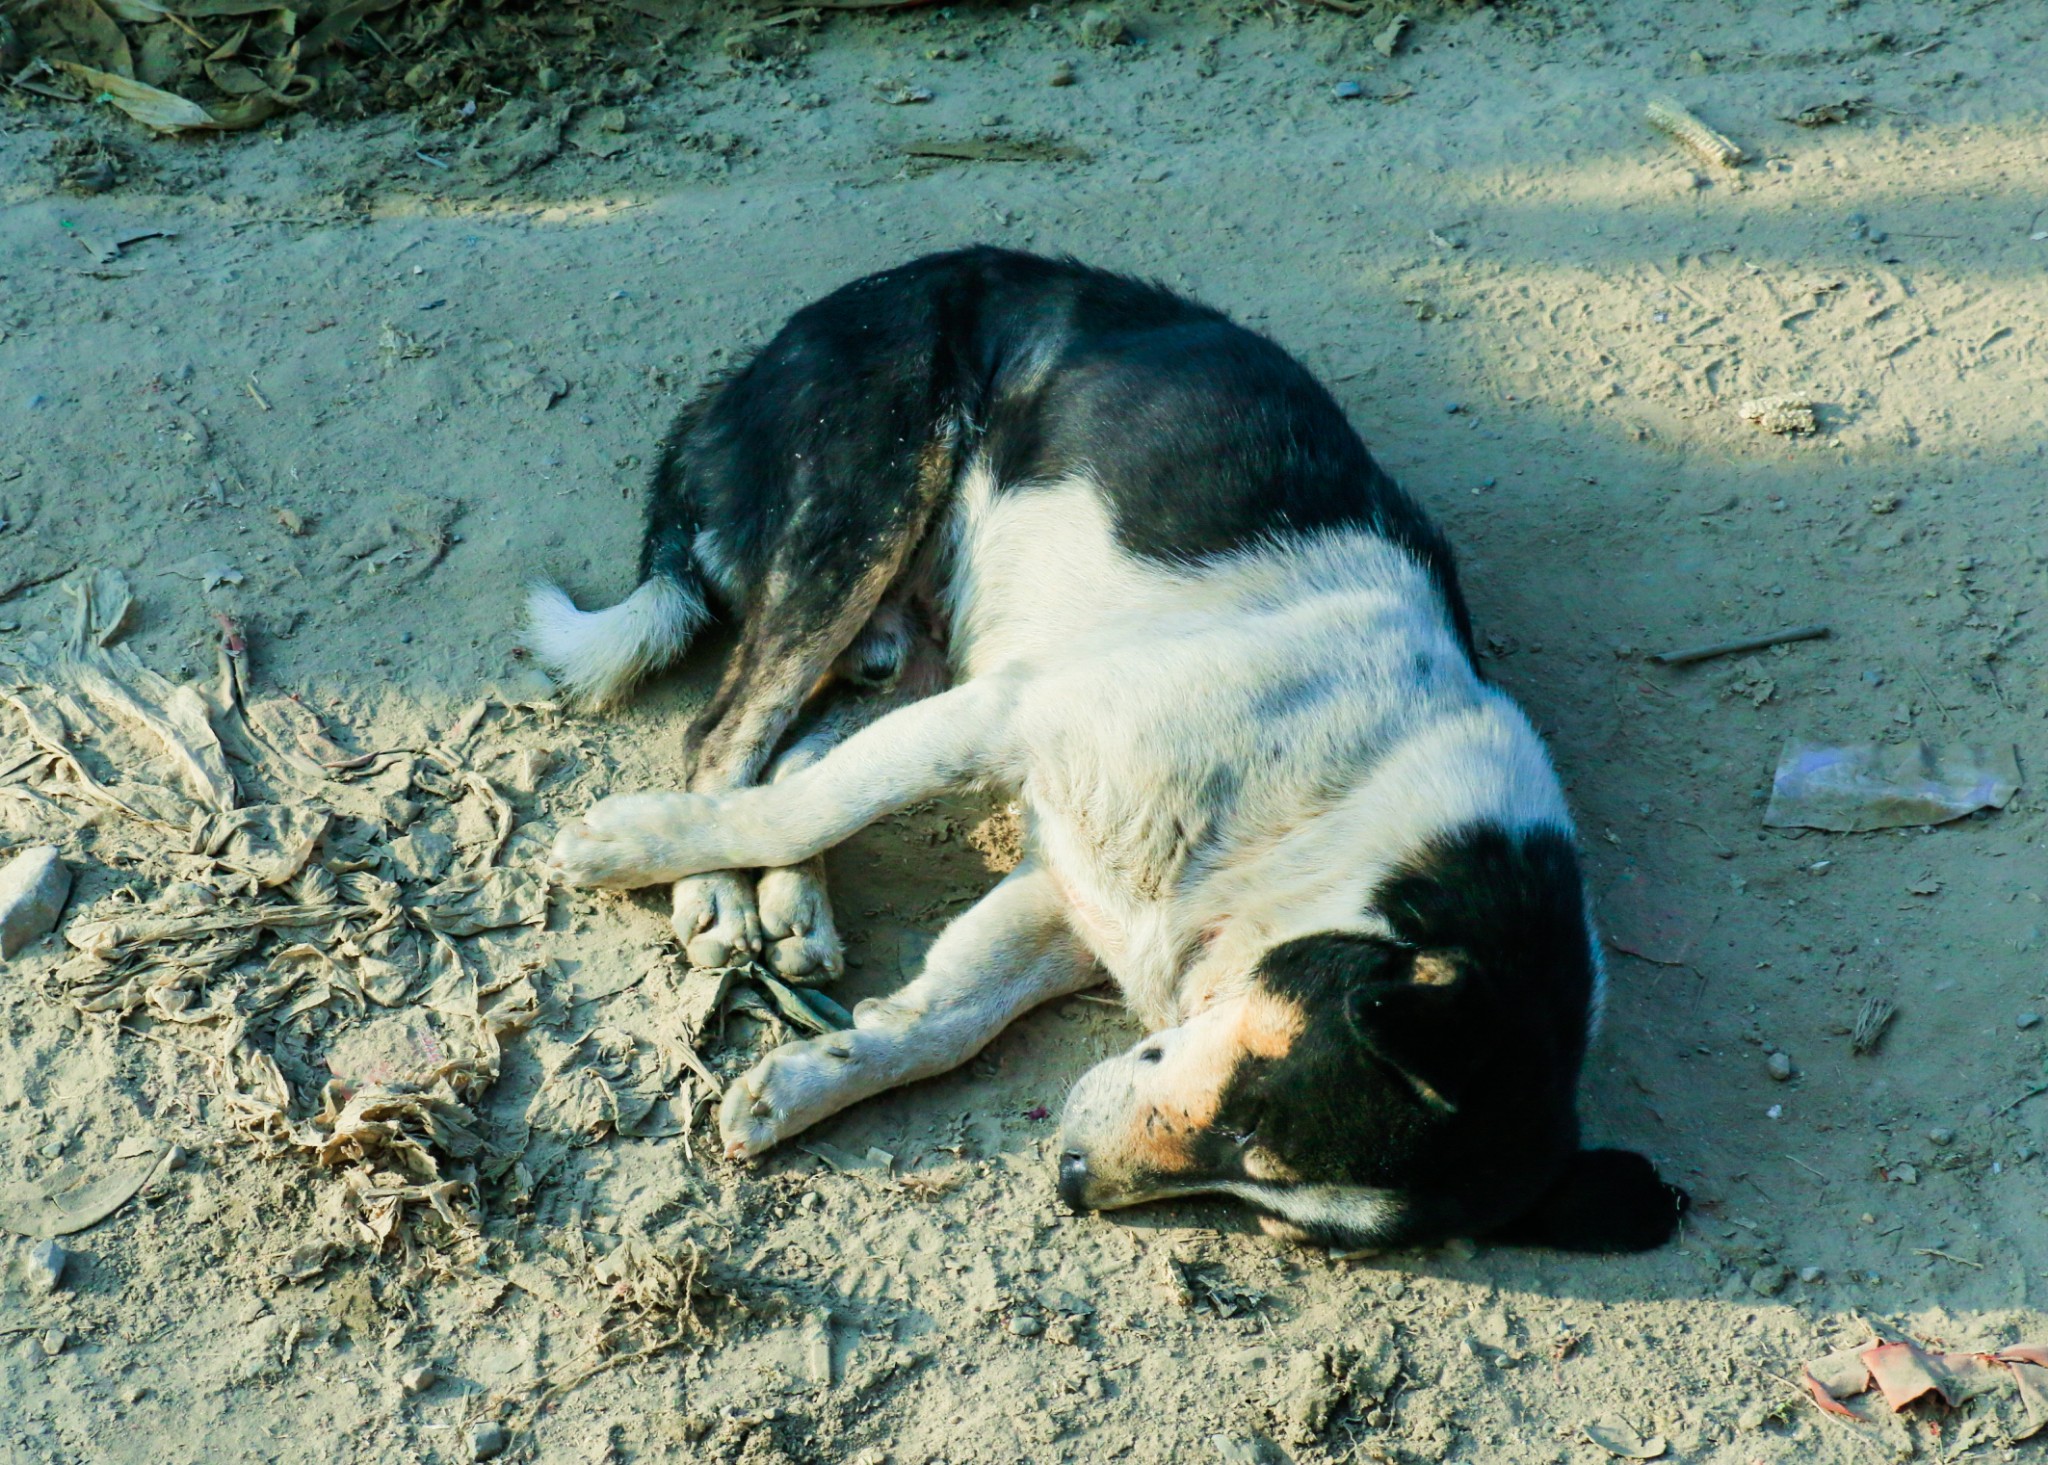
[
  {"x": 1872, "y": 1019},
  {"x": 901, "y": 94},
  {"x": 800, "y": 1008},
  {"x": 1391, "y": 35},
  {"x": 1695, "y": 136},
  {"x": 1712, "y": 649},
  {"x": 1619, "y": 1439},
  {"x": 1903, "y": 1373},
  {"x": 1852, "y": 788},
  {"x": 1247, "y": 1450},
  {"x": 1825, "y": 114},
  {"x": 608, "y": 1083},
  {"x": 33, "y": 888},
  {"x": 1789, "y": 415},
  {"x": 875, "y": 1161},
  {"x": 1347, "y": 91}
]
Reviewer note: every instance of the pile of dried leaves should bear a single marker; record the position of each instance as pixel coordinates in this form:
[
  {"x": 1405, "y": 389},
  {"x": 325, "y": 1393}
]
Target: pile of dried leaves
[
  {"x": 180, "y": 66},
  {"x": 277, "y": 925}
]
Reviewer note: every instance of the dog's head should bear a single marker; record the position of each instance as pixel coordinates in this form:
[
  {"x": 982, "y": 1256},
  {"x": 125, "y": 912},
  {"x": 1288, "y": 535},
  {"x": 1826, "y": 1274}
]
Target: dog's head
[{"x": 1370, "y": 1090}]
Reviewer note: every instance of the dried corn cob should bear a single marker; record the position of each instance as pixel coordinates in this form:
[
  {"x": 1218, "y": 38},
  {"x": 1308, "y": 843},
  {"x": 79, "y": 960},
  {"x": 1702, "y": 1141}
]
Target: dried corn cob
[{"x": 1673, "y": 120}]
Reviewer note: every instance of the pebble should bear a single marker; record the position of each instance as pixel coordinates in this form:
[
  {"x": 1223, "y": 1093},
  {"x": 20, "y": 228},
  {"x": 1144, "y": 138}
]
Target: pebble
[
  {"x": 1769, "y": 1281},
  {"x": 1062, "y": 74},
  {"x": 1942, "y": 1136},
  {"x": 417, "y": 1379},
  {"x": 1103, "y": 29},
  {"x": 1347, "y": 91},
  {"x": 487, "y": 1440},
  {"x": 2028, "y": 1020},
  {"x": 54, "y": 1342},
  {"x": 1026, "y": 1326},
  {"x": 33, "y": 887},
  {"x": 46, "y": 1266},
  {"x": 1810, "y": 1275},
  {"x": 1780, "y": 1066}
]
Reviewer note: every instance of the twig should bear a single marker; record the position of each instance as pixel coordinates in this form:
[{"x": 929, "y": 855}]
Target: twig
[
  {"x": 1342, "y": 7},
  {"x": 29, "y": 582},
  {"x": 436, "y": 162},
  {"x": 1690, "y": 654},
  {"x": 1947, "y": 1256},
  {"x": 2033, "y": 1093},
  {"x": 1809, "y": 1169},
  {"x": 257, "y": 393}
]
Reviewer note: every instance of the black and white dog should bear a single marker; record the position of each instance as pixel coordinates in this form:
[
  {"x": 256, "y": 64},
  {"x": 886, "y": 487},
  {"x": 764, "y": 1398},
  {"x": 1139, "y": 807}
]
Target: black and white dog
[{"x": 991, "y": 518}]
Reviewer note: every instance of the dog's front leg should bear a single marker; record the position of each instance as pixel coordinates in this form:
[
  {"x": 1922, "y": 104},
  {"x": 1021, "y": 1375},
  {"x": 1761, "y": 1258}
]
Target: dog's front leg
[
  {"x": 1009, "y": 953},
  {"x": 630, "y": 840}
]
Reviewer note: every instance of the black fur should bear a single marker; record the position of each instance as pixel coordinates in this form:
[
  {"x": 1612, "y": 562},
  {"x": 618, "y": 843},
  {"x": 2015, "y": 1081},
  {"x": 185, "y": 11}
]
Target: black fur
[
  {"x": 1442, "y": 1066},
  {"x": 1203, "y": 435}
]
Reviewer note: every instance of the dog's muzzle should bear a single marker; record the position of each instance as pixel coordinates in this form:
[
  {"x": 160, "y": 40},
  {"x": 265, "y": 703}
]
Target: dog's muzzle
[{"x": 1074, "y": 1180}]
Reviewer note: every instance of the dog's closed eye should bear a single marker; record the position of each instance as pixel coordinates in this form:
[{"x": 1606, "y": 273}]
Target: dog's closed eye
[{"x": 1151, "y": 1053}]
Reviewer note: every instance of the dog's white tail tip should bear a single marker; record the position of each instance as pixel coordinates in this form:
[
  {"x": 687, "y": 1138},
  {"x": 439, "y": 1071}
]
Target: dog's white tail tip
[{"x": 598, "y": 655}]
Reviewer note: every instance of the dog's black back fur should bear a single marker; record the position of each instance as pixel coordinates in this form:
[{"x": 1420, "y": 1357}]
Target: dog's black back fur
[{"x": 838, "y": 440}]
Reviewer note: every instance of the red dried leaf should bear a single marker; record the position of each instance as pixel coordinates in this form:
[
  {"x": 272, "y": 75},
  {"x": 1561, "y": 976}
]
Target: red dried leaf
[
  {"x": 1903, "y": 1373},
  {"x": 1826, "y": 1400}
]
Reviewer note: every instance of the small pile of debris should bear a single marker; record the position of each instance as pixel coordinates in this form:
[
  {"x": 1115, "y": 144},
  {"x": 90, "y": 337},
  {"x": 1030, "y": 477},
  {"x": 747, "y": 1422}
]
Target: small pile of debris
[{"x": 276, "y": 921}]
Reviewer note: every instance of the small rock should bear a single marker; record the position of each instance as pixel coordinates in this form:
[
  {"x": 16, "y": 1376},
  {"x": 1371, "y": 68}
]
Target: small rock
[
  {"x": 1026, "y": 1326},
  {"x": 54, "y": 1342},
  {"x": 1810, "y": 1275},
  {"x": 1347, "y": 91},
  {"x": 46, "y": 1266},
  {"x": 1769, "y": 1280},
  {"x": 1062, "y": 74},
  {"x": 1942, "y": 1136},
  {"x": 418, "y": 1379},
  {"x": 33, "y": 887},
  {"x": 1103, "y": 29},
  {"x": 487, "y": 1440},
  {"x": 1780, "y": 1066},
  {"x": 2027, "y": 1020}
]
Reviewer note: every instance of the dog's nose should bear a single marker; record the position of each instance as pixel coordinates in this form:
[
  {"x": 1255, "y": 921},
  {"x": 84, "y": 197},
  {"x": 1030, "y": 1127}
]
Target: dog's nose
[{"x": 1074, "y": 1180}]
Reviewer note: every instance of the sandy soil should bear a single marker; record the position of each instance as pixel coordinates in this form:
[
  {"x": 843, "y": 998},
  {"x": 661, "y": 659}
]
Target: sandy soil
[{"x": 354, "y": 396}]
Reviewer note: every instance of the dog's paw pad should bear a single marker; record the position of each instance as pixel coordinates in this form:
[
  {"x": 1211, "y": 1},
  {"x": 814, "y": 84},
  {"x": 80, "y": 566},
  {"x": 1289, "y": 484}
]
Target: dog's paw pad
[
  {"x": 796, "y": 922},
  {"x": 716, "y": 919}
]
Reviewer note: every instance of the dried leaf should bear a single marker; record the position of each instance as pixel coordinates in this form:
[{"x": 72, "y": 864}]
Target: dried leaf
[
  {"x": 1618, "y": 1438},
  {"x": 483, "y": 901}
]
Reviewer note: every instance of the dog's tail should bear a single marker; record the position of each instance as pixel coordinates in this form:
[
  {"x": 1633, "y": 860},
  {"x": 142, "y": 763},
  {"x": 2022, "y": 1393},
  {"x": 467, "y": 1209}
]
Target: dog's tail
[{"x": 598, "y": 655}]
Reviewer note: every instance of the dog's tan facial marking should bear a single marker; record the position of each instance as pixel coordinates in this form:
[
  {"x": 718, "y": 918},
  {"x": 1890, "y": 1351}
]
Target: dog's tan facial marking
[{"x": 1148, "y": 1119}]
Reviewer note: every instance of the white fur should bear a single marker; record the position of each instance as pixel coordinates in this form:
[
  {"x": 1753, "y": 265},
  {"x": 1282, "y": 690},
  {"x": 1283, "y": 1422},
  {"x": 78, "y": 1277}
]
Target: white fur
[
  {"x": 1119, "y": 700},
  {"x": 598, "y": 655}
]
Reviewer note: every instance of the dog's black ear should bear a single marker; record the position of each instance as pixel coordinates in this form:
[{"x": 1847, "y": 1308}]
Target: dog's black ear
[
  {"x": 1432, "y": 1027},
  {"x": 1606, "y": 1200}
]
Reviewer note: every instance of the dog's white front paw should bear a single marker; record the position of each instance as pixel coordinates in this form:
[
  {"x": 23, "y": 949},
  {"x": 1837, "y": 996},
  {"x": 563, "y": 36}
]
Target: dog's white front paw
[
  {"x": 788, "y": 1091},
  {"x": 716, "y": 919},
  {"x": 796, "y": 921},
  {"x": 622, "y": 842}
]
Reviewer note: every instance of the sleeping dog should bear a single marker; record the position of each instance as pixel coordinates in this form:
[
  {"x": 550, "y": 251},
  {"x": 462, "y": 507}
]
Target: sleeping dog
[{"x": 1002, "y": 520}]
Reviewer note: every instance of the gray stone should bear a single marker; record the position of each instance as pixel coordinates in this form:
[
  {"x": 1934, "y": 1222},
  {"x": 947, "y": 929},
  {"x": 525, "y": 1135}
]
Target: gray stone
[
  {"x": 1026, "y": 1326},
  {"x": 417, "y": 1379},
  {"x": 487, "y": 1440},
  {"x": 1942, "y": 1136},
  {"x": 33, "y": 887},
  {"x": 1769, "y": 1281},
  {"x": 1810, "y": 1275},
  {"x": 46, "y": 1266},
  {"x": 2028, "y": 1020},
  {"x": 1780, "y": 1066}
]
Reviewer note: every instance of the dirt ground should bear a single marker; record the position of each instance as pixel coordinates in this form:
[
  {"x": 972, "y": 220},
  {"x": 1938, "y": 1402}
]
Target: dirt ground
[{"x": 371, "y": 374}]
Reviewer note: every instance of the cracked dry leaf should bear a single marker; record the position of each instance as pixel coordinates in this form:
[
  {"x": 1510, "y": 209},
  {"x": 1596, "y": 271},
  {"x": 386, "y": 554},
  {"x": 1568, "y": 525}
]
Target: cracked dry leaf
[
  {"x": 483, "y": 901},
  {"x": 609, "y": 1082}
]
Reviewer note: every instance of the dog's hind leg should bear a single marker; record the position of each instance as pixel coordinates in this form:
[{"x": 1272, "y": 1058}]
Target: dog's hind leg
[
  {"x": 800, "y": 938},
  {"x": 1010, "y": 952}
]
